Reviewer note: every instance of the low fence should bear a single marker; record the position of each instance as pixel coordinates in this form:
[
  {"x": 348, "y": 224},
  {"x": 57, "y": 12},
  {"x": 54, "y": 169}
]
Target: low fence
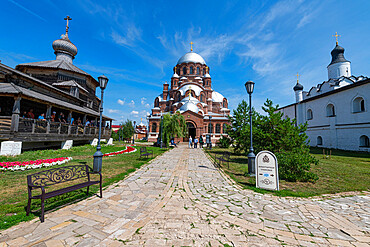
[
  {"x": 5, "y": 123},
  {"x": 35, "y": 126}
]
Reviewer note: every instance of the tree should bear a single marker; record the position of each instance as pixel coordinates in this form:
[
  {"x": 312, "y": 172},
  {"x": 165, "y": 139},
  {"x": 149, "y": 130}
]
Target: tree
[
  {"x": 126, "y": 130},
  {"x": 239, "y": 128},
  {"x": 274, "y": 133},
  {"x": 174, "y": 125}
]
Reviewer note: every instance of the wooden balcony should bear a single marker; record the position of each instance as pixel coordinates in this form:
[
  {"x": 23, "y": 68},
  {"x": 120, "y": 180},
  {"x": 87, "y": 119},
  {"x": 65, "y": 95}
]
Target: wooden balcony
[{"x": 32, "y": 130}]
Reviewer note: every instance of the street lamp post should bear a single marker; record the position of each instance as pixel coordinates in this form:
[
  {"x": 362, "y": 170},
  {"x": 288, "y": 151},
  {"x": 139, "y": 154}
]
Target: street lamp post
[
  {"x": 249, "y": 85},
  {"x": 133, "y": 138},
  {"x": 147, "y": 130},
  {"x": 161, "y": 130},
  {"x": 210, "y": 131},
  {"x": 98, "y": 155}
]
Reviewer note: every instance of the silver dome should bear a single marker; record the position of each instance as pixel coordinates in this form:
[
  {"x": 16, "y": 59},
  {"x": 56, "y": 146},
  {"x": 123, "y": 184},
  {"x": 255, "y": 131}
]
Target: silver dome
[
  {"x": 64, "y": 45},
  {"x": 191, "y": 57},
  {"x": 189, "y": 106}
]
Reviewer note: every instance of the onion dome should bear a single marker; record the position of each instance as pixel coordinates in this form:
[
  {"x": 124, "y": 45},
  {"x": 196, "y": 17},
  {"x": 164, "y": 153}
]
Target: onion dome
[
  {"x": 337, "y": 55},
  {"x": 298, "y": 87},
  {"x": 175, "y": 75},
  {"x": 207, "y": 76},
  {"x": 64, "y": 48},
  {"x": 191, "y": 57}
]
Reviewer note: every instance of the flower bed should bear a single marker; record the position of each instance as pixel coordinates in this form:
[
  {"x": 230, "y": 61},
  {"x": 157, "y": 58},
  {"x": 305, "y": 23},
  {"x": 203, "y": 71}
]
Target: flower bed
[
  {"x": 33, "y": 164},
  {"x": 128, "y": 149}
]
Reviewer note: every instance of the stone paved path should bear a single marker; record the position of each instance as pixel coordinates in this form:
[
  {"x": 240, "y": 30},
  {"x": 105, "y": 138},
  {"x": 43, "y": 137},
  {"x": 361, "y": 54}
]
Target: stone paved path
[{"x": 180, "y": 199}]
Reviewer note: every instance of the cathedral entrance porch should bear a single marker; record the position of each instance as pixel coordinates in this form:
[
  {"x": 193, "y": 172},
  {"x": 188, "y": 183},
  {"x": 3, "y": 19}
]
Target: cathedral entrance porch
[{"x": 192, "y": 131}]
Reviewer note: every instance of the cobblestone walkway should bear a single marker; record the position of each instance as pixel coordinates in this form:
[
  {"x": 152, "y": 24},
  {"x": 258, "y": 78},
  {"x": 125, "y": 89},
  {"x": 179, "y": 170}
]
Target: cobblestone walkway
[{"x": 180, "y": 199}]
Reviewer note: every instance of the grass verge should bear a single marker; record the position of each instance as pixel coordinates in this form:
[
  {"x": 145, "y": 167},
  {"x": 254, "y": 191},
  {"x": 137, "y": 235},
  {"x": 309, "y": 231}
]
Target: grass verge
[
  {"x": 13, "y": 185},
  {"x": 345, "y": 171}
]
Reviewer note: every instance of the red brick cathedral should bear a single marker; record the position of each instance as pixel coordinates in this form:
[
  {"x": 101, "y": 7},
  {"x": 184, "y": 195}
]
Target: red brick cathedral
[{"x": 191, "y": 94}]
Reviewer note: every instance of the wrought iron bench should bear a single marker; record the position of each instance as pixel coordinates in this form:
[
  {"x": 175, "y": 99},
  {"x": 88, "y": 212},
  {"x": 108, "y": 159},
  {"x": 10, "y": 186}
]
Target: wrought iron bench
[
  {"x": 47, "y": 178},
  {"x": 222, "y": 158},
  {"x": 145, "y": 153}
]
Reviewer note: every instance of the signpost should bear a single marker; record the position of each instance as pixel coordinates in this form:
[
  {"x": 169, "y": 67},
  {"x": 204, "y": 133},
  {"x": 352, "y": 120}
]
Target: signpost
[{"x": 267, "y": 174}]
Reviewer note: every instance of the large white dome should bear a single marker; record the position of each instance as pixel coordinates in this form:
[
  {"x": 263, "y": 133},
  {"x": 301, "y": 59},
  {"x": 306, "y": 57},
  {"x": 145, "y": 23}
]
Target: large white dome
[{"x": 191, "y": 57}]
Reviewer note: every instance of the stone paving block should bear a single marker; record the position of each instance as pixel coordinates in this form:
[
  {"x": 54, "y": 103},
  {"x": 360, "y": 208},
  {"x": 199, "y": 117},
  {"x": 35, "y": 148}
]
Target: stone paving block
[
  {"x": 338, "y": 242},
  {"x": 61, "y": 225},
  {"x": 54, "y": 243},
  {"x": 17, "y": 242},
  {"x": 359, "y": 244}
]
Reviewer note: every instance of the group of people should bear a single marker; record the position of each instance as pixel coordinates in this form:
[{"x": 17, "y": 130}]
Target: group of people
[
  {"x": 61, "y": 118},
  {"x": 193, "y": 143}
]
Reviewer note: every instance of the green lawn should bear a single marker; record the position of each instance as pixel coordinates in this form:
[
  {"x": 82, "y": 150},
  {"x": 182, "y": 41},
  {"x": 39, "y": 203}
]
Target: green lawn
[
  {"x": 344, "y": 171},
  {"x": 13, "y": 185}
]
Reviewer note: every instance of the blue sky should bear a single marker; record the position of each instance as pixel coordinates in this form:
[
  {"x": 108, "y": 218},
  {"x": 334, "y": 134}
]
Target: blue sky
[{"x": 137, "y": 43}]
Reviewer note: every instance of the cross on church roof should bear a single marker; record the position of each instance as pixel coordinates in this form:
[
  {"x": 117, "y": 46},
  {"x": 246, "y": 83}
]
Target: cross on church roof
[
  {"x": 191, "y": 46},
  {"x": 298, "y": 75},
  {"x": 336, "y": 37},
  {"x": 67, "y": 26}
]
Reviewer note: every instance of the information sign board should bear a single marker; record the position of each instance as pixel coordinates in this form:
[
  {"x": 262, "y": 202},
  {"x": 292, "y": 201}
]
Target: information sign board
[{"x": 267, "y": 174}]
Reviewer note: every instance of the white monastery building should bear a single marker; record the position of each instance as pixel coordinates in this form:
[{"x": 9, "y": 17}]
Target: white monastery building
[{"x": 337, "y": 110}]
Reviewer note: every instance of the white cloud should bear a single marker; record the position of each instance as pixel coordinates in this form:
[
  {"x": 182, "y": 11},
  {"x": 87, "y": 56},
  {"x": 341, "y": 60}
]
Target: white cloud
[
  {"x": 121, "y": 102},
  {"x": 147, "y": 106},
  {"x": 132, "y": 103},
  {"x": 113, "y": 111},
  {"x": 129, "y": 36},
  {"x": 134, "y": 113},
  {"x": 143, "y": 100},
  {"x": 305, "y": 20}
]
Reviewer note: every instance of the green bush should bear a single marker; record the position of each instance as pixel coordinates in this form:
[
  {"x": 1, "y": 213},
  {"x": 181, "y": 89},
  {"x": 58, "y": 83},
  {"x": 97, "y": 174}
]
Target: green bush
[
  {"x": 295, "y": 166},
  {"x": 224, "y": 142}
]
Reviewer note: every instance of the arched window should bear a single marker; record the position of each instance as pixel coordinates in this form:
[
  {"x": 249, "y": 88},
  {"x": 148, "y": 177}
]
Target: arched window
[
  {"x": 330, "y": 111},
  {"x": 358, "y": 104},
  {"x": 201, "y": 98},
  {"x": 198, "y": 70},
  {"x": 191, "y": 70},
  {"x": 210, "y": 128},
  {"x": 154, "y": 127},
  {"x": 309, "y": 114},
  {"x": 319, "y": 140},
  {"x": 224, "y": 103},
  {"x": 224, "y": 128},
  {"x": 156, "y": 102},
  {"x": 364, "y": 141},
  {"x": 184, "y": 70},
  {"x": 218, "y": 128}
]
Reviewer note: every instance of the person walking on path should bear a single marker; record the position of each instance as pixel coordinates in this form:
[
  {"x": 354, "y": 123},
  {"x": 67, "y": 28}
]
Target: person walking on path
[
  {"x": 201, "y": 142},
  {"x": 190, "y": 142},
  {"x": 195, "y": 142}
]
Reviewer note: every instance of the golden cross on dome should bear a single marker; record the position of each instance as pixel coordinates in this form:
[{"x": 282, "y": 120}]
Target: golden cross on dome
[
  {"x": 336, "y": 37},
  {"x": 298, "y": 75},
  {"x": 191, "y": 46},
  {"x": 189, "y": 92},
  {"x": 67, "y": 26},
  {"x": 206, "y": 69}
]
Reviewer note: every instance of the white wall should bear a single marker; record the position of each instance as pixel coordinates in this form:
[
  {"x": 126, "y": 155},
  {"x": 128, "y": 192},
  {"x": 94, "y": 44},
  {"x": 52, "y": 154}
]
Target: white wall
[{"x": 342, "y": 131}]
